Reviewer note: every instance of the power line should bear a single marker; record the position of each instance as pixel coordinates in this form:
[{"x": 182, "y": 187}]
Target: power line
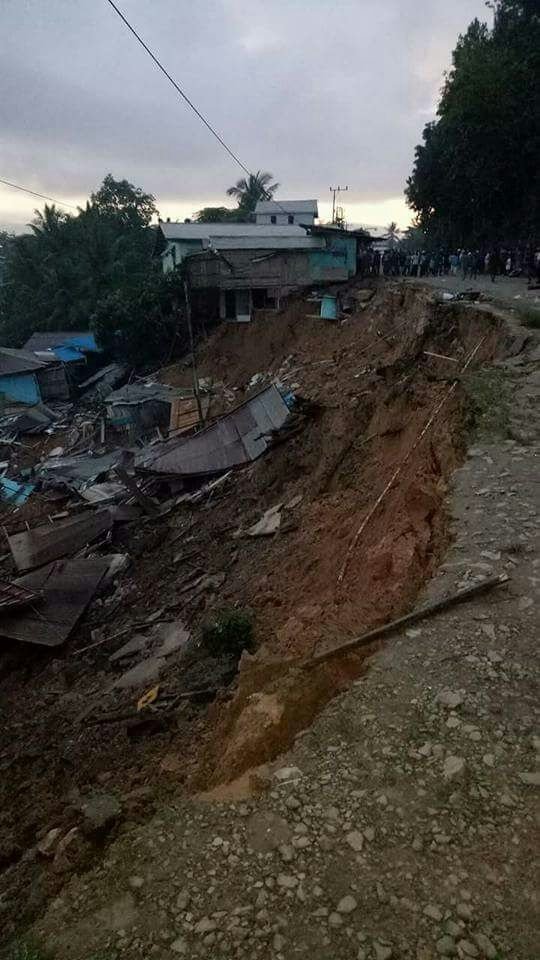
[
  {"x": 179, "y": 90},
  {"x": 190, "y": 103},
  {"x": 42, "y": 196}
]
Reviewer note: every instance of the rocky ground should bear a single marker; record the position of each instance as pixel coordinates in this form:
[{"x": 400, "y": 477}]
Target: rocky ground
[
  {"x": 402, "y": 823},
  {"x": 512, "y": 292}
]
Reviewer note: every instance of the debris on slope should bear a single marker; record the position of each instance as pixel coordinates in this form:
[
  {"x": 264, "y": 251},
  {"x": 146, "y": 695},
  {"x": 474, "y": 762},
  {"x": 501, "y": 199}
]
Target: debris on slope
[{"x": 363, "y": 391}]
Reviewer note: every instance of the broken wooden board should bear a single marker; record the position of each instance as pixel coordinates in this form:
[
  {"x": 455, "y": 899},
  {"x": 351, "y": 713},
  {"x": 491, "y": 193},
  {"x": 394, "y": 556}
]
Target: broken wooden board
[
  {"x": 67, "y": 588},
  {"x": 35, "y": 548},
  {"x": 12, "y": 596}
]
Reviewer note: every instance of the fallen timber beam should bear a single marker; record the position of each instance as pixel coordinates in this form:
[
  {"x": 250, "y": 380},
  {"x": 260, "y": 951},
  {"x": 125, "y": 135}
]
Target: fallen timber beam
[{"x": 428, "y": 611}]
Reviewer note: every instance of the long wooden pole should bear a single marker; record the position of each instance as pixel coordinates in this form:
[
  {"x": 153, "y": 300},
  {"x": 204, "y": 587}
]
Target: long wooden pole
[
  {"x": 428, "y": 611},
  {"x": 193, "y": 355}
]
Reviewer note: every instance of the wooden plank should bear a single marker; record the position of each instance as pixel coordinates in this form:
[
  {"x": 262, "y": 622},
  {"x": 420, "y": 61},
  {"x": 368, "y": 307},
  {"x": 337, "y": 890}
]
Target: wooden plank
[
  {"x": 428, "y": 611},
  {"x": 67, "y": 587},
  {"x": 35, "y": 548},
  {"x": 147, "y": 504}
]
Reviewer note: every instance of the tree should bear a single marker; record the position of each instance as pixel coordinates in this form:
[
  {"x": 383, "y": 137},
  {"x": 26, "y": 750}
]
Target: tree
[
  {"x": 145, "y": 325},
  {"x": 393, "y": 232},
  {"x": 127, "y": 204},
  {"x": 216, "y": 215},
  {"x": 56, "y": 275},
  {"x": 476, "y": 177},
  {"x": 248, "y": 191}
]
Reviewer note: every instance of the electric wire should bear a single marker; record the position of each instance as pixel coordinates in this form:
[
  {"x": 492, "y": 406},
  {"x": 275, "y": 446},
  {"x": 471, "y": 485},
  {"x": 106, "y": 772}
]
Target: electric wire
[{"x": 42, "y": 196}]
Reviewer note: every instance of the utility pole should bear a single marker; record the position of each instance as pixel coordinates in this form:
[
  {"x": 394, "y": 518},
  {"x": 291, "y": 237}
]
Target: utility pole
[
  {"x": 193, "y": 355},
  {"x": 333, "y": 191}
]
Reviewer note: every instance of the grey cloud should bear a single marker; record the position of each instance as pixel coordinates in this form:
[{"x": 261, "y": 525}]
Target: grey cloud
[{"x": 310, "y": 89}]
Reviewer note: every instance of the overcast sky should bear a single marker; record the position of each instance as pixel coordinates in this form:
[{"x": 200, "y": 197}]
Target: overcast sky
[{"x": 317, "y": 92}]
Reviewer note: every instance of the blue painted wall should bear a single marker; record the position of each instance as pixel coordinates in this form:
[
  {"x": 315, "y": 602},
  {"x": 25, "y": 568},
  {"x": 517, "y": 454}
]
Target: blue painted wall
[
  {"x": 340, "y": 254},
  {"x": 20, "y": 386}
]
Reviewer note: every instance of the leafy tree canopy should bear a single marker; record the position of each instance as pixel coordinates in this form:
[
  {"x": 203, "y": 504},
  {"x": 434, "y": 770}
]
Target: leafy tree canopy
[
  {"x": 249, "y": 190},
  {"x": 56, "y": 275},
  {"x": 476, "y": 177},
  {"x": 216, "y": 215},
  {"x": 146, "y": 325}
]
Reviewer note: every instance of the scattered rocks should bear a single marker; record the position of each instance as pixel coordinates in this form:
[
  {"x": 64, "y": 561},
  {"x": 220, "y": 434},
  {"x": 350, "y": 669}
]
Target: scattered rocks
[
  {"x": 355, "y": 839},
  {"x": 205, "y": 925},
  {"x": 287, "y": 881},
  {"x": 382, "y": 951},
  {"x": 432, "y": 911},
  {"x": 335, "y": 919},
  {"x": 347, "y": 904},
  {"x": 183, "y": 899},
  {"x": 454, "y": 768},
  {"x": 180, "y": 946},
  {"x": 450, "y": 698},
  {"x": 466, "y": 948},
  {"x": 47, "y": 845},
  {"x": 484, "y": 944},
  {"x": 531, "y": 779},
  {"x": 446, "y": 946},
  {"x": 100, "y": 811},
  {"x": 288, "y": 774}
]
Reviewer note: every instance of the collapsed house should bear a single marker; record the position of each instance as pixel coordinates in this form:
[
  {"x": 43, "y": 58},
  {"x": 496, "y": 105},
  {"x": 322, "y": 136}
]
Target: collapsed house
[
  {"x": 137, "y": 409},
  {"x": 25, "y": 379}
]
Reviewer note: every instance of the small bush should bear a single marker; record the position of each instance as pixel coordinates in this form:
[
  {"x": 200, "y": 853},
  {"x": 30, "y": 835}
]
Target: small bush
[
  {"x": 28, "y": 950},
  {"x": 230, "y": 632},
  {"x": 489, "y": 393},
  {"x": 529, "y": 316}
]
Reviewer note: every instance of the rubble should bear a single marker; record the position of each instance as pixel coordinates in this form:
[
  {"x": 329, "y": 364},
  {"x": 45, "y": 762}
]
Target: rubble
[{"x": 160, "y": 577}]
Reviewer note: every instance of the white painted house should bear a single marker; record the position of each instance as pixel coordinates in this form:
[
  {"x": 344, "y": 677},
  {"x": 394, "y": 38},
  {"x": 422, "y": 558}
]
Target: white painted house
[{"x": 290, "y": 212}]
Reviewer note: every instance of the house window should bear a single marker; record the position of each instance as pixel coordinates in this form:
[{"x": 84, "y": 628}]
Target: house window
[
  {"x": 290, "y": 218},
  {"x": 273, "y": 218}
]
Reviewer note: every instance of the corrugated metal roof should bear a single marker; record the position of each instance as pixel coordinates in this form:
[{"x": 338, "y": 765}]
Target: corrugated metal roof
[
  {"x": 235, "y": 439},
  {"x": 52, "y": 338},
  {"x": 67, "y": 588},
  {"x": 269, "y": 243},
  {"x": 18, "y": 361},
  {"x": 139, "y": 393},
  {"x": 207, "y": 231},
  {"x": 287, "y": 206}
]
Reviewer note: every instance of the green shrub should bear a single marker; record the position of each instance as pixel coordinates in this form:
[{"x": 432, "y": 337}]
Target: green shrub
[
  {"x": 28, "y": 950},
  {"x": 230, "y": 632},
  {"x": 489, "y": 392},
  {"x": 529, "y": 316}
]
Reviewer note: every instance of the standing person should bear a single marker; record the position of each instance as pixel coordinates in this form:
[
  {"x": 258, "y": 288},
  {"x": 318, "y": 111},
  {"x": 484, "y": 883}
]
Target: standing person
[
  {"x": 493, "y": 265},
  {"x": 478, "y": 262},
  {"x": 473, "y": 259},
  {"x": 463, "y": 264},
  {"x": 454, "y": 264}
]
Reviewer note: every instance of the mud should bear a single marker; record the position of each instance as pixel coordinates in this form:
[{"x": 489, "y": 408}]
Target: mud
[{"x": 370, "y": 388}]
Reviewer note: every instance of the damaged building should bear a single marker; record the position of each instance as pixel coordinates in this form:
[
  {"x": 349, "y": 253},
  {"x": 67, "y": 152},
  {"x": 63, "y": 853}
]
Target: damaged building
[{"x": 235, "y": 269}]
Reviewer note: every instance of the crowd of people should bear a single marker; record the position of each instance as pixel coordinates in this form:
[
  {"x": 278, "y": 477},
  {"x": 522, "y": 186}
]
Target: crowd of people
[{"x": 464, "y": 264}]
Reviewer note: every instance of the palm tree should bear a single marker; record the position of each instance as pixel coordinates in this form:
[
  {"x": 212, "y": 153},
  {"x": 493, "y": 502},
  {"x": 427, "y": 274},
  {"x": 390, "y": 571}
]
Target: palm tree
[
  {"x": 249, "y": 190},
  {"x": 47, "y": 223},
  {"x": 393, "y": 232}
]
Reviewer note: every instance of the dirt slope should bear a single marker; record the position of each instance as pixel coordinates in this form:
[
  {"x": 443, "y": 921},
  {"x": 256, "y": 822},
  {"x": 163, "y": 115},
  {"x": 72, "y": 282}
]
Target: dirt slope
[
  {"x": 369, "y": 387},
  {"x": 401, "y": 826}
]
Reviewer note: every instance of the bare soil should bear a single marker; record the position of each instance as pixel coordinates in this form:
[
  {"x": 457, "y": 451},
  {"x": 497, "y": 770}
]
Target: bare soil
[{"x": 369, "y": 388}]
